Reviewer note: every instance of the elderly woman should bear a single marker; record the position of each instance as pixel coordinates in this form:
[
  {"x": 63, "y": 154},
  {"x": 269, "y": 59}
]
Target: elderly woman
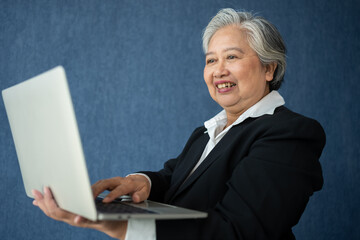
[{"x": 252, "y": 167}]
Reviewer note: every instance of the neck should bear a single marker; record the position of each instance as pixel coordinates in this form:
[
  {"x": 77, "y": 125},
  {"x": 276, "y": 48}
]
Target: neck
[
  {"x": 232, "y": 115},
  {"x": 231, "y": 118}
]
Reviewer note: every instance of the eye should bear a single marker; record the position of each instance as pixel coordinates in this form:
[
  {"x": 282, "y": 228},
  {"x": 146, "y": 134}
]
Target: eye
[
  {"x": 231, "y": 57},
  {"x": 210, "y": 60}
]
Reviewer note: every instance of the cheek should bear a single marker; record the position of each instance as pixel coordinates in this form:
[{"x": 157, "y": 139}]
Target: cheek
[
  {"x": 208, "y": 78},
  {"x": 209, "y": 83},
  {"x": 248, "y": 74}
]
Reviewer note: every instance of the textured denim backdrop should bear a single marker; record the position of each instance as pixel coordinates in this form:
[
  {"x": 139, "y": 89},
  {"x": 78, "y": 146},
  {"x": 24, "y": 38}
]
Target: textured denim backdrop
[{"x": 135, "y": 74}]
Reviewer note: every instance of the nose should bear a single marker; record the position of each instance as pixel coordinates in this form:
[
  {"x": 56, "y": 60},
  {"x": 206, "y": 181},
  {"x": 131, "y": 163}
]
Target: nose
[{"x": 220, "y": 70}]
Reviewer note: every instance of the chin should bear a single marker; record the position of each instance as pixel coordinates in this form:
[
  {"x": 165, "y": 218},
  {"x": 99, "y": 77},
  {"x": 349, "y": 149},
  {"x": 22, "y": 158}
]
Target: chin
[
  {"x": 227, "y": 105},
  {"x": 227, "y": 102}
]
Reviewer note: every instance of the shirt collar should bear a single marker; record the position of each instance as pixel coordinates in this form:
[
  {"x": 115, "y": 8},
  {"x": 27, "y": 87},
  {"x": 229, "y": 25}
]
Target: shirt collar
[{"x": 266, "y": 105}]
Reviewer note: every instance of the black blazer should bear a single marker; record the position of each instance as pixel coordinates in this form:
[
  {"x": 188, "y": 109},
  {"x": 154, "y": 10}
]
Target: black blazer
[{"x": 254, "y": 184}]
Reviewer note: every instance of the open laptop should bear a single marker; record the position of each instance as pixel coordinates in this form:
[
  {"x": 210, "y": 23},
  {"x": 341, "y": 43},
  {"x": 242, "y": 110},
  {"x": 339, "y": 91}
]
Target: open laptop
[{"x": 49, "y": 151}]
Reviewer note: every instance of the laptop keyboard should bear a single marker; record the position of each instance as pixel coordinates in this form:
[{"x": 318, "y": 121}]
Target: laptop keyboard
[{"x": 118, "y": 207}]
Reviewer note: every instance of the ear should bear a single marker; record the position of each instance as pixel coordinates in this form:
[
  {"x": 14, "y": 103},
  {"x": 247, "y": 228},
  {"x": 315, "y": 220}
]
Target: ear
[{"x": 270, "y": 69}]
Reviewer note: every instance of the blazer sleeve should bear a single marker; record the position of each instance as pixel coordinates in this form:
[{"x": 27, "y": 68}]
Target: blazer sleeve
[{"x": 268, "y": 189}]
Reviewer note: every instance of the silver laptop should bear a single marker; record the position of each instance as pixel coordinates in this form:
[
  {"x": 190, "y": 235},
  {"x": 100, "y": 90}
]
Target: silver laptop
[{"x": 49, "y": 151}]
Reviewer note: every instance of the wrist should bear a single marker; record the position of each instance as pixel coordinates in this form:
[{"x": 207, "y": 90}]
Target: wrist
[
  {"x": 141, "y": 174},
  {"x": 115, "y": 229},
  {"x": 123, "y": 231}
]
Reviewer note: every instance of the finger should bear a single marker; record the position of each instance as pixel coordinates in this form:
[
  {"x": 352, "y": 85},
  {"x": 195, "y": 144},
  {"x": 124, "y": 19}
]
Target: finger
[
  {"x": 37, "y": 195},
  {"x": 141, "y": 195},
  {"x": 48, "y": 194},
  {"x": 106, "y": 184},
  {"x": 53, "y": 210},
  {"x": 142, "y": 191},
  {"x": 139, "y": 190},
  {"x": 120, "y": 190},
  {"x": 39, "y": 199},
  {"x": 49, "y": 200}
]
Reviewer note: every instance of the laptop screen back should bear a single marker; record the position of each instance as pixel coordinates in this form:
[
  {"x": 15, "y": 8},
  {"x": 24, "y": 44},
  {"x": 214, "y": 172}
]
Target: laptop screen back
[{"x": 47, "y": 140}]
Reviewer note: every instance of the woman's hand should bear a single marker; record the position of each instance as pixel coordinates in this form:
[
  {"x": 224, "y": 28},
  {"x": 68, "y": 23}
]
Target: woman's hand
[
  {"x": 136, "y": 185},
  {"x": 46, "y": 202}
]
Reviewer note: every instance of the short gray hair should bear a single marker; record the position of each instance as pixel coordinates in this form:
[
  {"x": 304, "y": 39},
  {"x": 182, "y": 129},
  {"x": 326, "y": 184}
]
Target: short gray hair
[{"x": 263, "y": 38}]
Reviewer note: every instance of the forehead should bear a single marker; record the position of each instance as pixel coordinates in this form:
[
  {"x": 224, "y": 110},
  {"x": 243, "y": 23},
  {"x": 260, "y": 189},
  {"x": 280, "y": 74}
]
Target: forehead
[{"x": 227, "y": 37}]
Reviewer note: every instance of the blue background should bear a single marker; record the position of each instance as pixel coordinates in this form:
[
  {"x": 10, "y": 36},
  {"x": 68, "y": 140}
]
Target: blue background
[{"x": 135, "y": 73}]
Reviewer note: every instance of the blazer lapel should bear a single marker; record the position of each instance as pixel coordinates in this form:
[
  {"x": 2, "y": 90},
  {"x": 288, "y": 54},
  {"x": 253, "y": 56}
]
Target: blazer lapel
[
  {"x": 213, "y": 156},
  {"x": 184, "y": 169}
]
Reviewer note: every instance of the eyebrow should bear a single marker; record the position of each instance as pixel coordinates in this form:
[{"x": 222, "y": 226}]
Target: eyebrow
[{"x": 226, "y": 50}]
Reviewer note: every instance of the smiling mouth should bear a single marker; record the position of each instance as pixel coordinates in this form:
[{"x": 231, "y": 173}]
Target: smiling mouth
[{"x": 225, "y": 85}]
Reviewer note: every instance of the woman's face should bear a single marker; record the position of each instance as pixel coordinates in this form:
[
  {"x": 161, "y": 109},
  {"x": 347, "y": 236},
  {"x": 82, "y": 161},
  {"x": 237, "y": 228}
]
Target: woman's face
[{"x": 233, "y": 73}]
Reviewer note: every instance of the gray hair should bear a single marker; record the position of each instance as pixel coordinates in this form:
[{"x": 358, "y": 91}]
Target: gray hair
[{"x": 263, "y": 38}]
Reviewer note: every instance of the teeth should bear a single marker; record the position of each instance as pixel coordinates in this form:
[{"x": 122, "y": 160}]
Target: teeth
[{"x": 225, "y": 85}]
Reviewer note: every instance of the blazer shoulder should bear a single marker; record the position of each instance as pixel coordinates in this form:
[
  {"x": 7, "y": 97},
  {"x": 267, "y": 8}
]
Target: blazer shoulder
[
  {"x": 288, "y": 115},
  {"x": 288, "y": 119}
]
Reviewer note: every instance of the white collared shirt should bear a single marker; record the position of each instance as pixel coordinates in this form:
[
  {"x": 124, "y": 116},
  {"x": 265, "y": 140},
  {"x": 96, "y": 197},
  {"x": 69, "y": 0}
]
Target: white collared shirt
[
  {"x": 215, "y": 126},
  {"x": 146, "y": 229}
]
